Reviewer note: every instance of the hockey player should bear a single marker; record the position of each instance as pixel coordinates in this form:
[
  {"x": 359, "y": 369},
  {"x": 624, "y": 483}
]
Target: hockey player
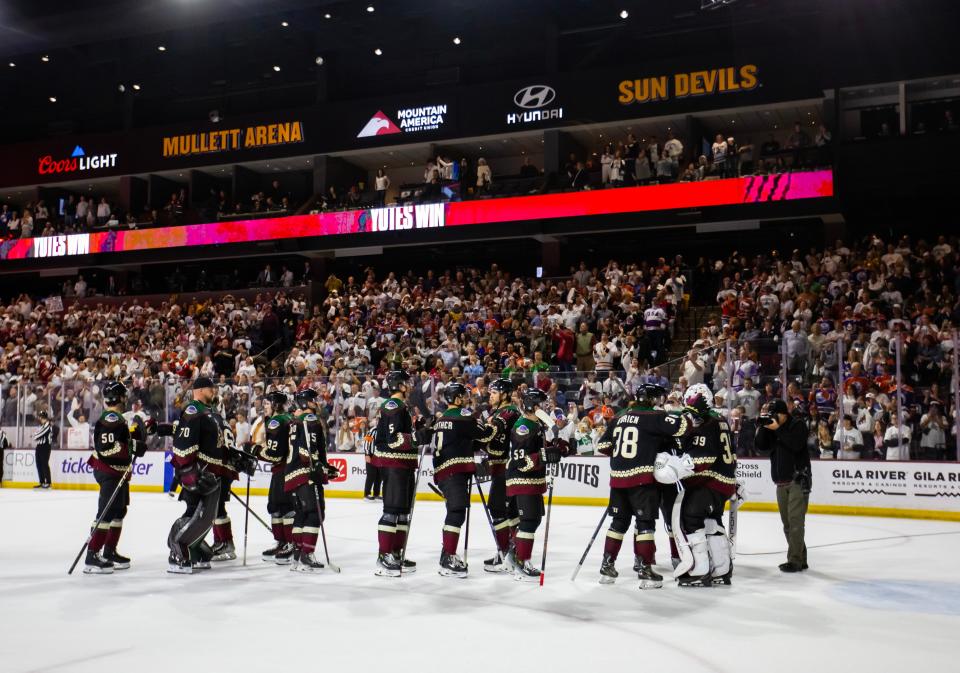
[
  {"x": 223, "y": 547},
  {"x": 305, "y": 472},
  {"x": 455, "y": 434},
  {"x": 395, "y": 453},
  {"x": 278, "y": 434},
  {"x": 115, "y": 444},
  {"x": 633, "y": 440},
  {"x": 503, "y": 415},
  {"x": 530, "y": 452},
  {"x": 710, "y": 484},
  {"x": 198, "y": 458}
]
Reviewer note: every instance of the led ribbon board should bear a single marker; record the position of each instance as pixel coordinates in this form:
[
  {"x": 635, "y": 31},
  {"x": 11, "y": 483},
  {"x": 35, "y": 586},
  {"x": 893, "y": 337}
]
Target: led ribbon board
[{"x": 710, "y": 193}]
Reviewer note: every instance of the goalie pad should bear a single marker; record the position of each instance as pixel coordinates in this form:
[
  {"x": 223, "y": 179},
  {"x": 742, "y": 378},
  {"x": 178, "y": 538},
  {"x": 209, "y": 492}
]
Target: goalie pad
[
  {"x": 679, "y": 538},
  {"x": 719, "y": 549}
]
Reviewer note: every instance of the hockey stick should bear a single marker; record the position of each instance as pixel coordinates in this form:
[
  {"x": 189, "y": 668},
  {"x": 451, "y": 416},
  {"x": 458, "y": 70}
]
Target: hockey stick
[
  {"x": 246, "y": 522},
  {"x": 413, "y": 503},
  {"x": 732, "y": 532},
  {"x": 486, "y": 510},
  {"x": 250, "y": 511},
  {"x": 466, "y": 533},
  {"x": 546, "y": 533},
  {"x": 586, "y": 551},
  {"x": 99, "y": 520},
  {"x": 323, "y": 533}
]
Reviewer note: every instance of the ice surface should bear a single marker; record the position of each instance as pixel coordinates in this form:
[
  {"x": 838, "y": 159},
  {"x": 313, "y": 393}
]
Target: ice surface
[{"x": 890, "y": 604}]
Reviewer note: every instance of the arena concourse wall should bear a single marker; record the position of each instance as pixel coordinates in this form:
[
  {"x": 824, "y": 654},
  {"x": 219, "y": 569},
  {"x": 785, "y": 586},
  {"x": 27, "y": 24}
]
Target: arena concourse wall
[{"x": 894, "y": 489}]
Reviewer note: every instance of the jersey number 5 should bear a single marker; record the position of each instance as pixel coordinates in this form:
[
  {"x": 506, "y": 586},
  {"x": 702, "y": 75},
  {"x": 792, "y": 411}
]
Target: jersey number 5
[{"x": 625, "y": 439}]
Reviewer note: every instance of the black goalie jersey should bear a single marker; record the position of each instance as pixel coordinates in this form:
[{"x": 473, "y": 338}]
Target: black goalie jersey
[
  {"x": 633, "y": 440},
  {"x": 715, "y": 463},
  {"x": 308, "y": 453},
  {"x": 199, "y": 440},
  {"x": 455, "y": 434}
]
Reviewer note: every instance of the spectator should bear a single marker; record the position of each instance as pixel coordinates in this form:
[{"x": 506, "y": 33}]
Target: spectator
[
  {"x": 528, "y": 170},
  {"x": 849, "y": 439},
  {"x": 719, "y": 151},
  {"x": 484, "y": 175}
]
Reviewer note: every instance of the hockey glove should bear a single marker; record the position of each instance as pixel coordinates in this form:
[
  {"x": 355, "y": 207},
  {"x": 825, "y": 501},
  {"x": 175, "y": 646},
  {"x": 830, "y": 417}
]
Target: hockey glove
[
  {"x": 483, "y": 469},
  {"x": 189, "y": 476},
  {"x": 137, "y": 431},
  {"x": 165, "y": 429},
  {"x": 139, "y": 448},
  {"x": 555, "y": 450},
  {"x": 331, "y": 471},
  {"x": 207, "y": 483}
]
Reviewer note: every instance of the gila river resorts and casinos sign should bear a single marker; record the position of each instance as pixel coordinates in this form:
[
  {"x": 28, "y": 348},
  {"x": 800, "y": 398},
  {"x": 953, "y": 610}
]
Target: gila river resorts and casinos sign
[{"x": 424, "y": 217}]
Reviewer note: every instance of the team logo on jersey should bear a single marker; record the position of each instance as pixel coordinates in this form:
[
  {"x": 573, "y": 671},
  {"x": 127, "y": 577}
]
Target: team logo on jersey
[
  {"x": 309, "y": 417},
  {"x": 111, "y": 418},
  {"x": 273, "y": 424},
  {"x": 465, "y": 412},
  {"x": 523, "y": 430},
  {"x": 191, "y": 410},
  {"x": 391, "y": 405}
]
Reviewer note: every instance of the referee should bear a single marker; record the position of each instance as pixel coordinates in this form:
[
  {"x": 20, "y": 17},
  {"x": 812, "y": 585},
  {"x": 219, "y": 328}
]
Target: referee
[
  {"x": 43, "y": 439},
  {"x": 784, "y": 437}
]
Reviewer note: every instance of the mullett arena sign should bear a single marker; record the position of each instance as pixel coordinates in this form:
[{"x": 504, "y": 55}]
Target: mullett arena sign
[
  {"x": 232, "y": 140},
  {"x": 687, "y": 84}
]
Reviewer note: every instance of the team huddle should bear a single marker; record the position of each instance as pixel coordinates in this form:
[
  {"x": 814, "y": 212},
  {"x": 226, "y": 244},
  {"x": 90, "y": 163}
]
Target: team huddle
[{"x": 680, "y": 464}]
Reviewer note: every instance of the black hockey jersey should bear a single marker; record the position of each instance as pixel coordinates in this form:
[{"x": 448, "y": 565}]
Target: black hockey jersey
[
  {"x": 278, "y": 442},
  {"x": 503, "y": 419},
  {"x": 394, "y": 445},
  {"x": 526, "y": 470},
  {"x": 455, "y": 435},
  {"x": 633, "y": 439},
  {"x": 113, "y": 447},
  {"x": 715, "y": 463},
  {"x": 308, "y": 453},
  {"x": 228, "y": 443},
  {"x": 198, "y": 440}
]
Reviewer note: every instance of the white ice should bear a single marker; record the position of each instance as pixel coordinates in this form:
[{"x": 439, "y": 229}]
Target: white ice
[{"x": 889, "y": 604}]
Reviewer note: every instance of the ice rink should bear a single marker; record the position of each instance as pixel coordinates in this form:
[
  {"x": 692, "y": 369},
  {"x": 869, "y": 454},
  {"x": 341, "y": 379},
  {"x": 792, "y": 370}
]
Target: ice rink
[{"x": 881, "y": 595}]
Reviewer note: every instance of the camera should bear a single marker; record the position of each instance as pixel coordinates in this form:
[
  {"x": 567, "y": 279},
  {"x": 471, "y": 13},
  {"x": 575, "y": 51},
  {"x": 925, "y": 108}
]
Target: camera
[{"x": 763, "y": 420}]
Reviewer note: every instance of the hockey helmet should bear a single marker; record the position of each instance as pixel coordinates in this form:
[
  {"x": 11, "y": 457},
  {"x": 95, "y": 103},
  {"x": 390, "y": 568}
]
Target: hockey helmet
[
  {"x": 532, "y": 398},
  {"x": 502, "y": 386},
  {"x": 698, "y": 399},
  {"x": 278, "y": 400},
  {"x": 649, "y": 393},
  {"x": 114, "y": 393},
  {"x": 304, "y": 398},
  {"x": 454, "y": 391},
  {"x": 397, "y": 379}
]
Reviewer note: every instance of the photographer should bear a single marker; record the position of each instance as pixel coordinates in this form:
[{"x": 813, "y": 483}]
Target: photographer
[{"x": 784, "y": 437}]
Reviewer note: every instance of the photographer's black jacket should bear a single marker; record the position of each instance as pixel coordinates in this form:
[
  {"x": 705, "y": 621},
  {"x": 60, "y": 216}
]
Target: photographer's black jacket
[{"x": 787, "y": 446}]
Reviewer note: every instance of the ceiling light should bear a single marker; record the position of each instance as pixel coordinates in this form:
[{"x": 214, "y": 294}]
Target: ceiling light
[
  {"x": 161, "y": 48},
  {"x": 456, "y": 40},
  {"x": 327, "y": 16},
  {"x": 378, "y": 51},
  {"x": 370, "y": 8},
  {"x": 276, "y": 68},
  {"x": 136, "y": 87},
  {"x": 624, "y": 14},
  {"x": 45, "y": 58},
  {"x": 53, "y": 99},
  {"x": 318, "y": 60},
  {"x": 284, "y": 24},
  {"x": 12, "y": 64},
  {"x": 121, "y": 88}
]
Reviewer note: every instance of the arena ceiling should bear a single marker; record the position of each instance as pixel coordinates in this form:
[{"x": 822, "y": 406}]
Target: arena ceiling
[{"x": 179, "y": 59}]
